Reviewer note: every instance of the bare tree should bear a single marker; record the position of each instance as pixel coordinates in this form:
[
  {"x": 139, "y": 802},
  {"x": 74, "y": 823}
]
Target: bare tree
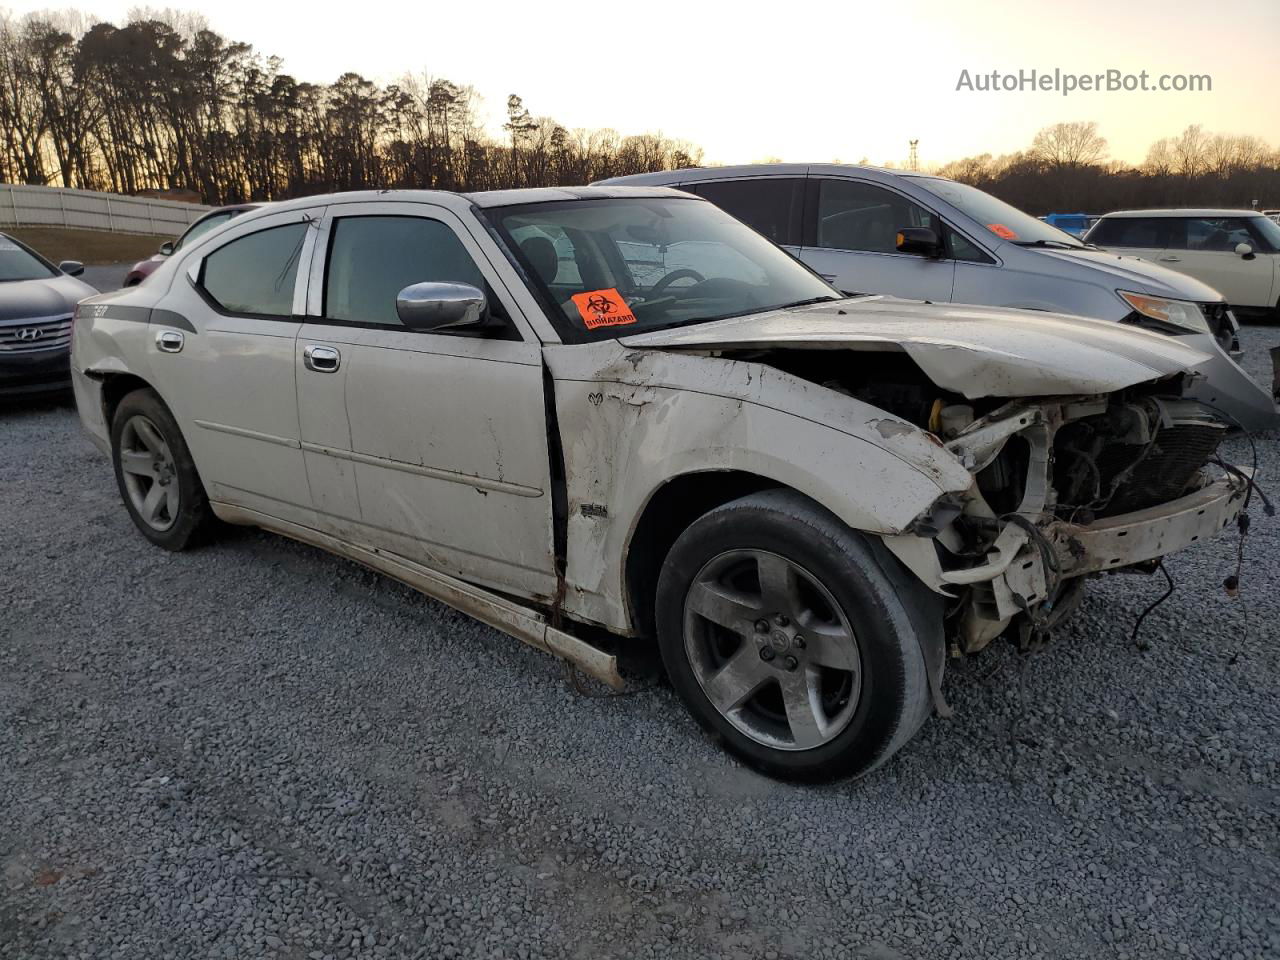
[{"x": 1075, "y": 144}]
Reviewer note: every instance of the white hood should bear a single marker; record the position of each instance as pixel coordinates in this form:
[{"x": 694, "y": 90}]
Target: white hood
[{"x": 973, "y": 351}]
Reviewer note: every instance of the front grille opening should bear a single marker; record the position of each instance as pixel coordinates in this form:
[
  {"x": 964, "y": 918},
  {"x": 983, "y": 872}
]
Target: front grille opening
[{"x": 1129, "y": 459}]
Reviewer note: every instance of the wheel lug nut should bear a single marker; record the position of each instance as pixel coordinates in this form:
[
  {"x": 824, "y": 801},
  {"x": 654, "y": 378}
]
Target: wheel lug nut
[
  {"x": 762, "y": 626},
  {"x": 782, "y": 619},
  {"x": 792, "y": 663},
  {"x": 798, "y": 642},
  {"x": 766, "y": 654}
]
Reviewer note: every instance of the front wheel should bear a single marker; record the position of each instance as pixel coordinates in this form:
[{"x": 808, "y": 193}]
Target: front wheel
[{"x": 789, "y": 637}]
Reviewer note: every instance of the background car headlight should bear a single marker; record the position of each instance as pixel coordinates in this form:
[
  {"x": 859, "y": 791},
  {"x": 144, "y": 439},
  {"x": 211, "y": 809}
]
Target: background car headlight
[{"x": 1176, "y": 313}]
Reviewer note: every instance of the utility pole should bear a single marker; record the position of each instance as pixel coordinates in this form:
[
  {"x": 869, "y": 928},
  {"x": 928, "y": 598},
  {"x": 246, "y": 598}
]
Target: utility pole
[{"x": 913, "y": 158}]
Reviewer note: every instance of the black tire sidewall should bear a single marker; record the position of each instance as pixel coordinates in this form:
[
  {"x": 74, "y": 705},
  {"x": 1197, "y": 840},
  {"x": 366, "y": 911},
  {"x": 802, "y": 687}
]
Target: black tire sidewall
[
  {"x": 193, "y": 504},
  {"x": 849, "y": 568}
]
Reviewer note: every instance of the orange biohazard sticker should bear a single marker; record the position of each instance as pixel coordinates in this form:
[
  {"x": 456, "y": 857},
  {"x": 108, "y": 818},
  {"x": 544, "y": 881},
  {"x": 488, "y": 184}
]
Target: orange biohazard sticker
[
  {"x": 1001, "y": 231},
  {"x": 603, "y": 308}
]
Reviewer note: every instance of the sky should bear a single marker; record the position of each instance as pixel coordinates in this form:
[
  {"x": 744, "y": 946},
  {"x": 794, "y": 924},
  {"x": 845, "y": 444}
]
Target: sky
[{"x": 796, "y": 82}]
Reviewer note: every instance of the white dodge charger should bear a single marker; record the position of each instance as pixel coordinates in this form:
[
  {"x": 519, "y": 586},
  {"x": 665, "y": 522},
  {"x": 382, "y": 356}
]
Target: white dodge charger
[{"x": 621, "y": 408}]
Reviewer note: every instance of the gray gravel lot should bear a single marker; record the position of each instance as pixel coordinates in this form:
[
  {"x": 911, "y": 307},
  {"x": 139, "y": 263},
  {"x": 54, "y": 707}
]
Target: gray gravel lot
[{"x": 257, "y": 750}]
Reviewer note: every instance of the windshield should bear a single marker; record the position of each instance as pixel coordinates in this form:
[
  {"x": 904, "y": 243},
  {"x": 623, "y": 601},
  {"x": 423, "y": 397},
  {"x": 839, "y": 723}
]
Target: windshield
[
  {"x": 1004, "y": 220},
  {"x": 618, "y": 266},
  {"x": 19, "y": 263}
]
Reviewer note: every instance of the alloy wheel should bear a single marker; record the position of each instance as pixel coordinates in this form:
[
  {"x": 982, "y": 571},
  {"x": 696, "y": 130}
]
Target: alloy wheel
[
  {"x": 150, "y": 475},
  {"x": 772, "y": 650}
]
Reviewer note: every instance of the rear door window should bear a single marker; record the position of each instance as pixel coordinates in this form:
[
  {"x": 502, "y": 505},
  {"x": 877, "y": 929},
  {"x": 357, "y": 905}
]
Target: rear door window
[
  {"x": 769, "y": 205},
  {"x": 1132, "y": 232},
  {"x": 255, "y": 274},
  {"x": 853, "y": 215}
]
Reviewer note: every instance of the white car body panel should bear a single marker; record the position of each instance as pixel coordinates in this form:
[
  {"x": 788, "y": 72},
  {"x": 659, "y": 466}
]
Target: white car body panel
[
  {"x": 431, "y": 457},
  {"x": 633, "y": 420},
  {"x": 1245, "y": 283}
]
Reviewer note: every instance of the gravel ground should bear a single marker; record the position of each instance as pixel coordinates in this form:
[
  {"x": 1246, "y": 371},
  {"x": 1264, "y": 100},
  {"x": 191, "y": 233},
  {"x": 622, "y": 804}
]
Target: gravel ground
[{"x": 256, "y": 750}]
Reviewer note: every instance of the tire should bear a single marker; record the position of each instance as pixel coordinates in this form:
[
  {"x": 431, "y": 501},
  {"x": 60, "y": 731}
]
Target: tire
[
  {"x": 163, "y": 494},
  {"x": 851, "y": 633}
]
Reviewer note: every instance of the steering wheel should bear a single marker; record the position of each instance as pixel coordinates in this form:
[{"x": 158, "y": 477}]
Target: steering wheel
[{"x": 660, "y": 287}]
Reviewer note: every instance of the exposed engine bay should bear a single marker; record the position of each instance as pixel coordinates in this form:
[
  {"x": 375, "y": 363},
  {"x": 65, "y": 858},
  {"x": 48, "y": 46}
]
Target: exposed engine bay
[{"x": 1064, "y": 487}]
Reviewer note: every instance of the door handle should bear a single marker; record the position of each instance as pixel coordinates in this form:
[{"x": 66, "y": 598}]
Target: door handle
[
  {"x": 1171, "y": 259},
  {"x": 169, "y": 341},
  {"x": 320, "y": 359}
]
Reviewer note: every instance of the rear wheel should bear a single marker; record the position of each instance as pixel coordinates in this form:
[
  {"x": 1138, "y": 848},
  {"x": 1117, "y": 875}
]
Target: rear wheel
[
  {"x": 788, "y": 637},
  {"x": 155, "y": 473}
]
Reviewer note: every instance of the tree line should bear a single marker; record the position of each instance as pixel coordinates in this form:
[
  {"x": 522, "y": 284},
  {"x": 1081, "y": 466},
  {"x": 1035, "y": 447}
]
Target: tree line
[
  {"x": 164, "y": 102},
  {"x": 1066, "y": 169}
]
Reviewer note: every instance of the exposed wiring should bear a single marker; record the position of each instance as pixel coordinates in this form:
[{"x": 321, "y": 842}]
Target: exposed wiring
[
  {"x": 1253, "y": 447},
  {"x": 1267, "y": 507},
  {"x": 1133, "y": 637},
  {"x": 1049, "y": 556}
]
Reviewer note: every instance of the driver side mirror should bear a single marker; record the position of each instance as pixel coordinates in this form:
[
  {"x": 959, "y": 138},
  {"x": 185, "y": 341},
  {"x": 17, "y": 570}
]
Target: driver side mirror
[
  {"x": 72, "y": 268},
  {"x": 442, "y": 306},
  {"x": 166, "y": 248},
  {"x": 1245, "y": 250},
  {"x": 919, "y": 240}
]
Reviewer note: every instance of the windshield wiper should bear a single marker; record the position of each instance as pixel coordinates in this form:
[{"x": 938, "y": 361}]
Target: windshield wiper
[
  {"x": 1059, "y": 244},
  {"x": 825, "y": 298}
]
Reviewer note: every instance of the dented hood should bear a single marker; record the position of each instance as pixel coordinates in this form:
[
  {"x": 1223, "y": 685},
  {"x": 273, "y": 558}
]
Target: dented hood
[{"x": 973, "y": 351}]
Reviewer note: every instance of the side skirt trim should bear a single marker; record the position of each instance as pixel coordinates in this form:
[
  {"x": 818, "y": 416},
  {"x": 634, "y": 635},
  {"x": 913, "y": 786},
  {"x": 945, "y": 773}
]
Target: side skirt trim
[{"x": 493, "y": 609}]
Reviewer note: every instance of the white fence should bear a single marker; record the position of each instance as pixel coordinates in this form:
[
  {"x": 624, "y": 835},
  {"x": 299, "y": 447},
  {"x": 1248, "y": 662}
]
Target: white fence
[{"x": 27, "y": 206}]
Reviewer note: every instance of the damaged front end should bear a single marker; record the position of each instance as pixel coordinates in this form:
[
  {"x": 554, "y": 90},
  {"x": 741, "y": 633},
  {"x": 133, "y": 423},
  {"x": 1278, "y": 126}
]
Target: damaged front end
[{"x": 1064, "y": 488}]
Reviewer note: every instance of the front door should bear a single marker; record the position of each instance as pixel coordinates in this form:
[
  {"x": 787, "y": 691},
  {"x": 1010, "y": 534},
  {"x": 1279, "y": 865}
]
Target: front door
[
  {"x": 442, "y": 456},
  {"x": 223, "y": 359},
  {"x": 1205, "y": 248},
  {"x": 853, "y": 242}
]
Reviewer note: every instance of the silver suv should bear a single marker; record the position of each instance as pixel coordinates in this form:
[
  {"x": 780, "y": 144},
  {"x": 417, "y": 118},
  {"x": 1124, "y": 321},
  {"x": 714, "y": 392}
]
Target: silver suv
[{"x": 868, "y": 230}]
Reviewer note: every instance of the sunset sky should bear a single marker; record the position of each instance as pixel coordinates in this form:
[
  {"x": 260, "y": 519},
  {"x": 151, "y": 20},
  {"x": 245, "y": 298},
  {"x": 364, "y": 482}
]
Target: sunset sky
[{"x": 841, "y": 81}]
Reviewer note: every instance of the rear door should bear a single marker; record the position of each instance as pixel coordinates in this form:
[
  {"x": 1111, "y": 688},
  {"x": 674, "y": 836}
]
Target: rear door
[
  {"x": 851, "y": 240},
  {"x": 222, "y": 342},
  {"x": 432, "y": 446}
]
